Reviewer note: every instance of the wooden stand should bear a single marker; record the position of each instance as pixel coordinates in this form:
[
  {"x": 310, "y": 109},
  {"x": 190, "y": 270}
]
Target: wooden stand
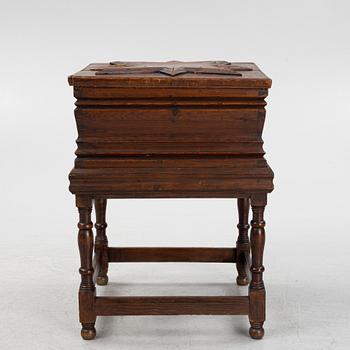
[
  {"x": 171, "y": 130},
  {"x": 94, "y": 268}
]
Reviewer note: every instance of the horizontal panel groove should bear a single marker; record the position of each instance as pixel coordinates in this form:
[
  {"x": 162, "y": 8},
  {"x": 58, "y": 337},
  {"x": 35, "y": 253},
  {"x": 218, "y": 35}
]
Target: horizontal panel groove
[
  {"x": 175, "y": 158},
  {"x": 165, "y": 177},
  {"x": 97, "y": 93},
  {"x": 111, "y": 193},
  {"x": 172, "y": 305},
  {"x": 185, "y": 107},
  {"x": 161, "y": 254},
  {"x": 130, "y": 104},
  {"x": 244, "y": 139},
  {"x": 167, "y": 153},
  {"x": 154, "y": 99}
]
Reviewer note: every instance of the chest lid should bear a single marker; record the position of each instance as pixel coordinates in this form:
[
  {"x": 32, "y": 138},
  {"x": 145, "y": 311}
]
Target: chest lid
[{"x": 171, "y": 74}]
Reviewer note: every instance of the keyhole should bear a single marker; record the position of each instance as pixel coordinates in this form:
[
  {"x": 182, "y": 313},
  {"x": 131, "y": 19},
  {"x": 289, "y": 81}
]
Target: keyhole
[{"x": 174, "y": 114}]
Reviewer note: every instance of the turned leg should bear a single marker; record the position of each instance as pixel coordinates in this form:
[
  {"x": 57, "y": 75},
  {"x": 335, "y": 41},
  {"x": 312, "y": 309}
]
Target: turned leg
[
  {"x": 87, "y": 288},
  {"x": 256, "y": 287},
  {"x": 101, "y": 241},
  {"x": 242, "y": 243}
]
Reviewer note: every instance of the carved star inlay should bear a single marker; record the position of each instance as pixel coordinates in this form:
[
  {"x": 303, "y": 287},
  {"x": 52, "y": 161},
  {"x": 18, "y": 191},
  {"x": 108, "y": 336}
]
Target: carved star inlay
[{"x": 173, "y": 68}]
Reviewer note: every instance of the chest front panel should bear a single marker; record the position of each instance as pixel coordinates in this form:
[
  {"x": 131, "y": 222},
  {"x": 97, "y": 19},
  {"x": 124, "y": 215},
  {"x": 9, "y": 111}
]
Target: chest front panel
[{"x": 169, "y": 130}]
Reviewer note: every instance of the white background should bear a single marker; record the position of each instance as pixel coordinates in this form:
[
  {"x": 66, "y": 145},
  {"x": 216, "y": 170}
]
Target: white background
[{"x": 303, "y": 46}]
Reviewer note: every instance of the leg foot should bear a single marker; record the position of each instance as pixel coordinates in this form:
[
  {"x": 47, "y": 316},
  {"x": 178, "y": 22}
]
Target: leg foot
[
  {"x": 102, "y": 280},
  {"x": 88, "y": 331},
  {"x": 242, "y": 280},
  {"x": 256, "y": 331}
]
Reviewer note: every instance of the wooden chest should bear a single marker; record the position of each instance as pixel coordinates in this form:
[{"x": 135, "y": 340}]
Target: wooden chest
[{"x": 183, "y": 135}]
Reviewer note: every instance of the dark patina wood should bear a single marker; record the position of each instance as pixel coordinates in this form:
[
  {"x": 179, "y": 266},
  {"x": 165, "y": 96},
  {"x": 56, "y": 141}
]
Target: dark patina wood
[
  {"x": 171, "y": 130},
  {"x": 242, "y": 244},
  {"x": 101, "y": 241},
  {"x": 87, "y": 286},
  {"x": 213, "y": 255},
  {"x": 164, "y": 305}
]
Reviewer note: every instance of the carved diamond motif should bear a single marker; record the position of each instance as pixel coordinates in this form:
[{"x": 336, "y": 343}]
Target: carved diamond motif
[{"x": 173, "y": 68}]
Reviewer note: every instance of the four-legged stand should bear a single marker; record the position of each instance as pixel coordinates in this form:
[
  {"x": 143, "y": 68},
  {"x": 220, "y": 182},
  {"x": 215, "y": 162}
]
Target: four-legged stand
[{"x": 96, "y": 269}]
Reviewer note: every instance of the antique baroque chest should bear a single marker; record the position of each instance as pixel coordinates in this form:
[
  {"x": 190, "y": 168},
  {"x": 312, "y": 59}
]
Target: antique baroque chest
[{"x": 170, "y": 130}]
